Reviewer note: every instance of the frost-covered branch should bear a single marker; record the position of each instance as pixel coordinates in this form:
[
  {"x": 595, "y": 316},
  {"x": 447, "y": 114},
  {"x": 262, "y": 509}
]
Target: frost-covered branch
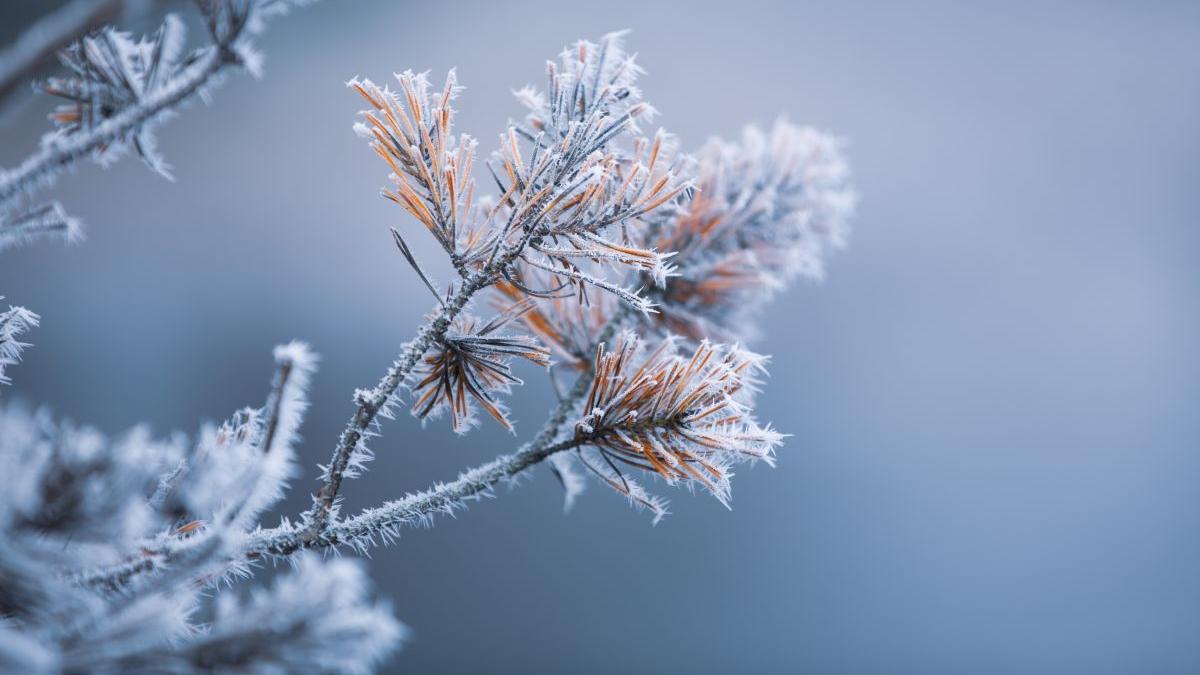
[
  {"x": 78, "y": 503},
  {"x": 383, "y": 523},
  {"x": 572, "y": 185},
  {"x": 351, "y": 450},
  {"x": 13, "y": 324},
  {"x": 48, "y": 221},
  {"x": 119, "y": 89},
  {"x": 681, "y": 418}
]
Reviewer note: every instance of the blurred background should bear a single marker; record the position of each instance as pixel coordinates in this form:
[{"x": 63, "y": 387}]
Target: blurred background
[{"x": 992, "y": 399}]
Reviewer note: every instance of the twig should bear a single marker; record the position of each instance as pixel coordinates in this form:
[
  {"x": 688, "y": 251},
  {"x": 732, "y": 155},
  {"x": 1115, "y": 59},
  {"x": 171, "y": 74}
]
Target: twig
[
  {"x": 384, "y": 520},
  {"x": 442, "y": 498},
  {"x": 63, "y": 152},
  {"x": 275, "y": 402},
  {"x": 46, "y": 221},
  {"x": 372, "y": 402}
]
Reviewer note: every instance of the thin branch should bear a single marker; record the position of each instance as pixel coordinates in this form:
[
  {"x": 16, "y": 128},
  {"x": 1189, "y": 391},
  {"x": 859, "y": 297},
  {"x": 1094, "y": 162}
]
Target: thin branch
[
  {"x": 63, "y": 152},
  {"x": 445, "y": 497},
  {"x": 204, "y": 66},
  {"x": 372, "y": 402},
  {"x": 48, "y": 221},
  {"x": 383, "y": 521},
  {"x": 275, "y": 403}
]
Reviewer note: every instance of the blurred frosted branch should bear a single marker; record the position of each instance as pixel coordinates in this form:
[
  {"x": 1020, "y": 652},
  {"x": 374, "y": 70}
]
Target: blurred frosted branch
[
  {"x": 48, "y": 221},
  {"x": 13, "y": 324},
  {"x": 119, "y": 89},
  {"x": 79, "y": 502},
  {"x": 316, "y": 619}
]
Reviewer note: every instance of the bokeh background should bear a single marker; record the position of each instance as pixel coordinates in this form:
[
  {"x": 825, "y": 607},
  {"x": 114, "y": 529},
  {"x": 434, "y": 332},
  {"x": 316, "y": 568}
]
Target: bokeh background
[{"x": 993, "y": 397}]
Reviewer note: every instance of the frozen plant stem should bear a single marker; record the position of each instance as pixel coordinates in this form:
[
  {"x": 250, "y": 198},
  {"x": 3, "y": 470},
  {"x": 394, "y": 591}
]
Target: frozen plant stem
[
  {"x": 118, "y": 89},
  {"x": 445, "y": 497},
  {"x": 54, "y": 157},
  {"x": 385, "y": 519},
  {"x": 372, "y": 402},
  {"x": 381, "y": 521}
]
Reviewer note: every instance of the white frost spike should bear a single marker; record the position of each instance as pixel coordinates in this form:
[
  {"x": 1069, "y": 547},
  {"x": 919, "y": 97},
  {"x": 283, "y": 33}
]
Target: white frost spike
[
  {"x": 288, "y": 402},
  {"x": 13, "y": 323}
]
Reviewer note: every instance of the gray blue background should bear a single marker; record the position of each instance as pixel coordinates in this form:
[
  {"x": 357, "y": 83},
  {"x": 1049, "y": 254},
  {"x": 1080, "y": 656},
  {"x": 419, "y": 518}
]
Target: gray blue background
[{"x": 992, "y": 399}]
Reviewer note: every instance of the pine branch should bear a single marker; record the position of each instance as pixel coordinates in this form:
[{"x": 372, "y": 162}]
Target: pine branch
[
  {"x": 381, "y": 523},
  {"x": 370, "y": 403},
  {"x": 383, "y": 520},
  {"x": 134, "y": 530},
  {"x": 201, "y": 69},
  {"x": 48, "y": 221},
  {"x": 54, "y": 157},
  {"x": 373, "y": 524}
]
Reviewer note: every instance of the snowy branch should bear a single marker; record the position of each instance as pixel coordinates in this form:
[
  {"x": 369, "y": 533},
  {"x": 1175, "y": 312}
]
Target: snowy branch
[
  {"x": 13, "y": 323},
  {"x": 141, "y": 84},
  {"x": 49, "y": 221}
]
